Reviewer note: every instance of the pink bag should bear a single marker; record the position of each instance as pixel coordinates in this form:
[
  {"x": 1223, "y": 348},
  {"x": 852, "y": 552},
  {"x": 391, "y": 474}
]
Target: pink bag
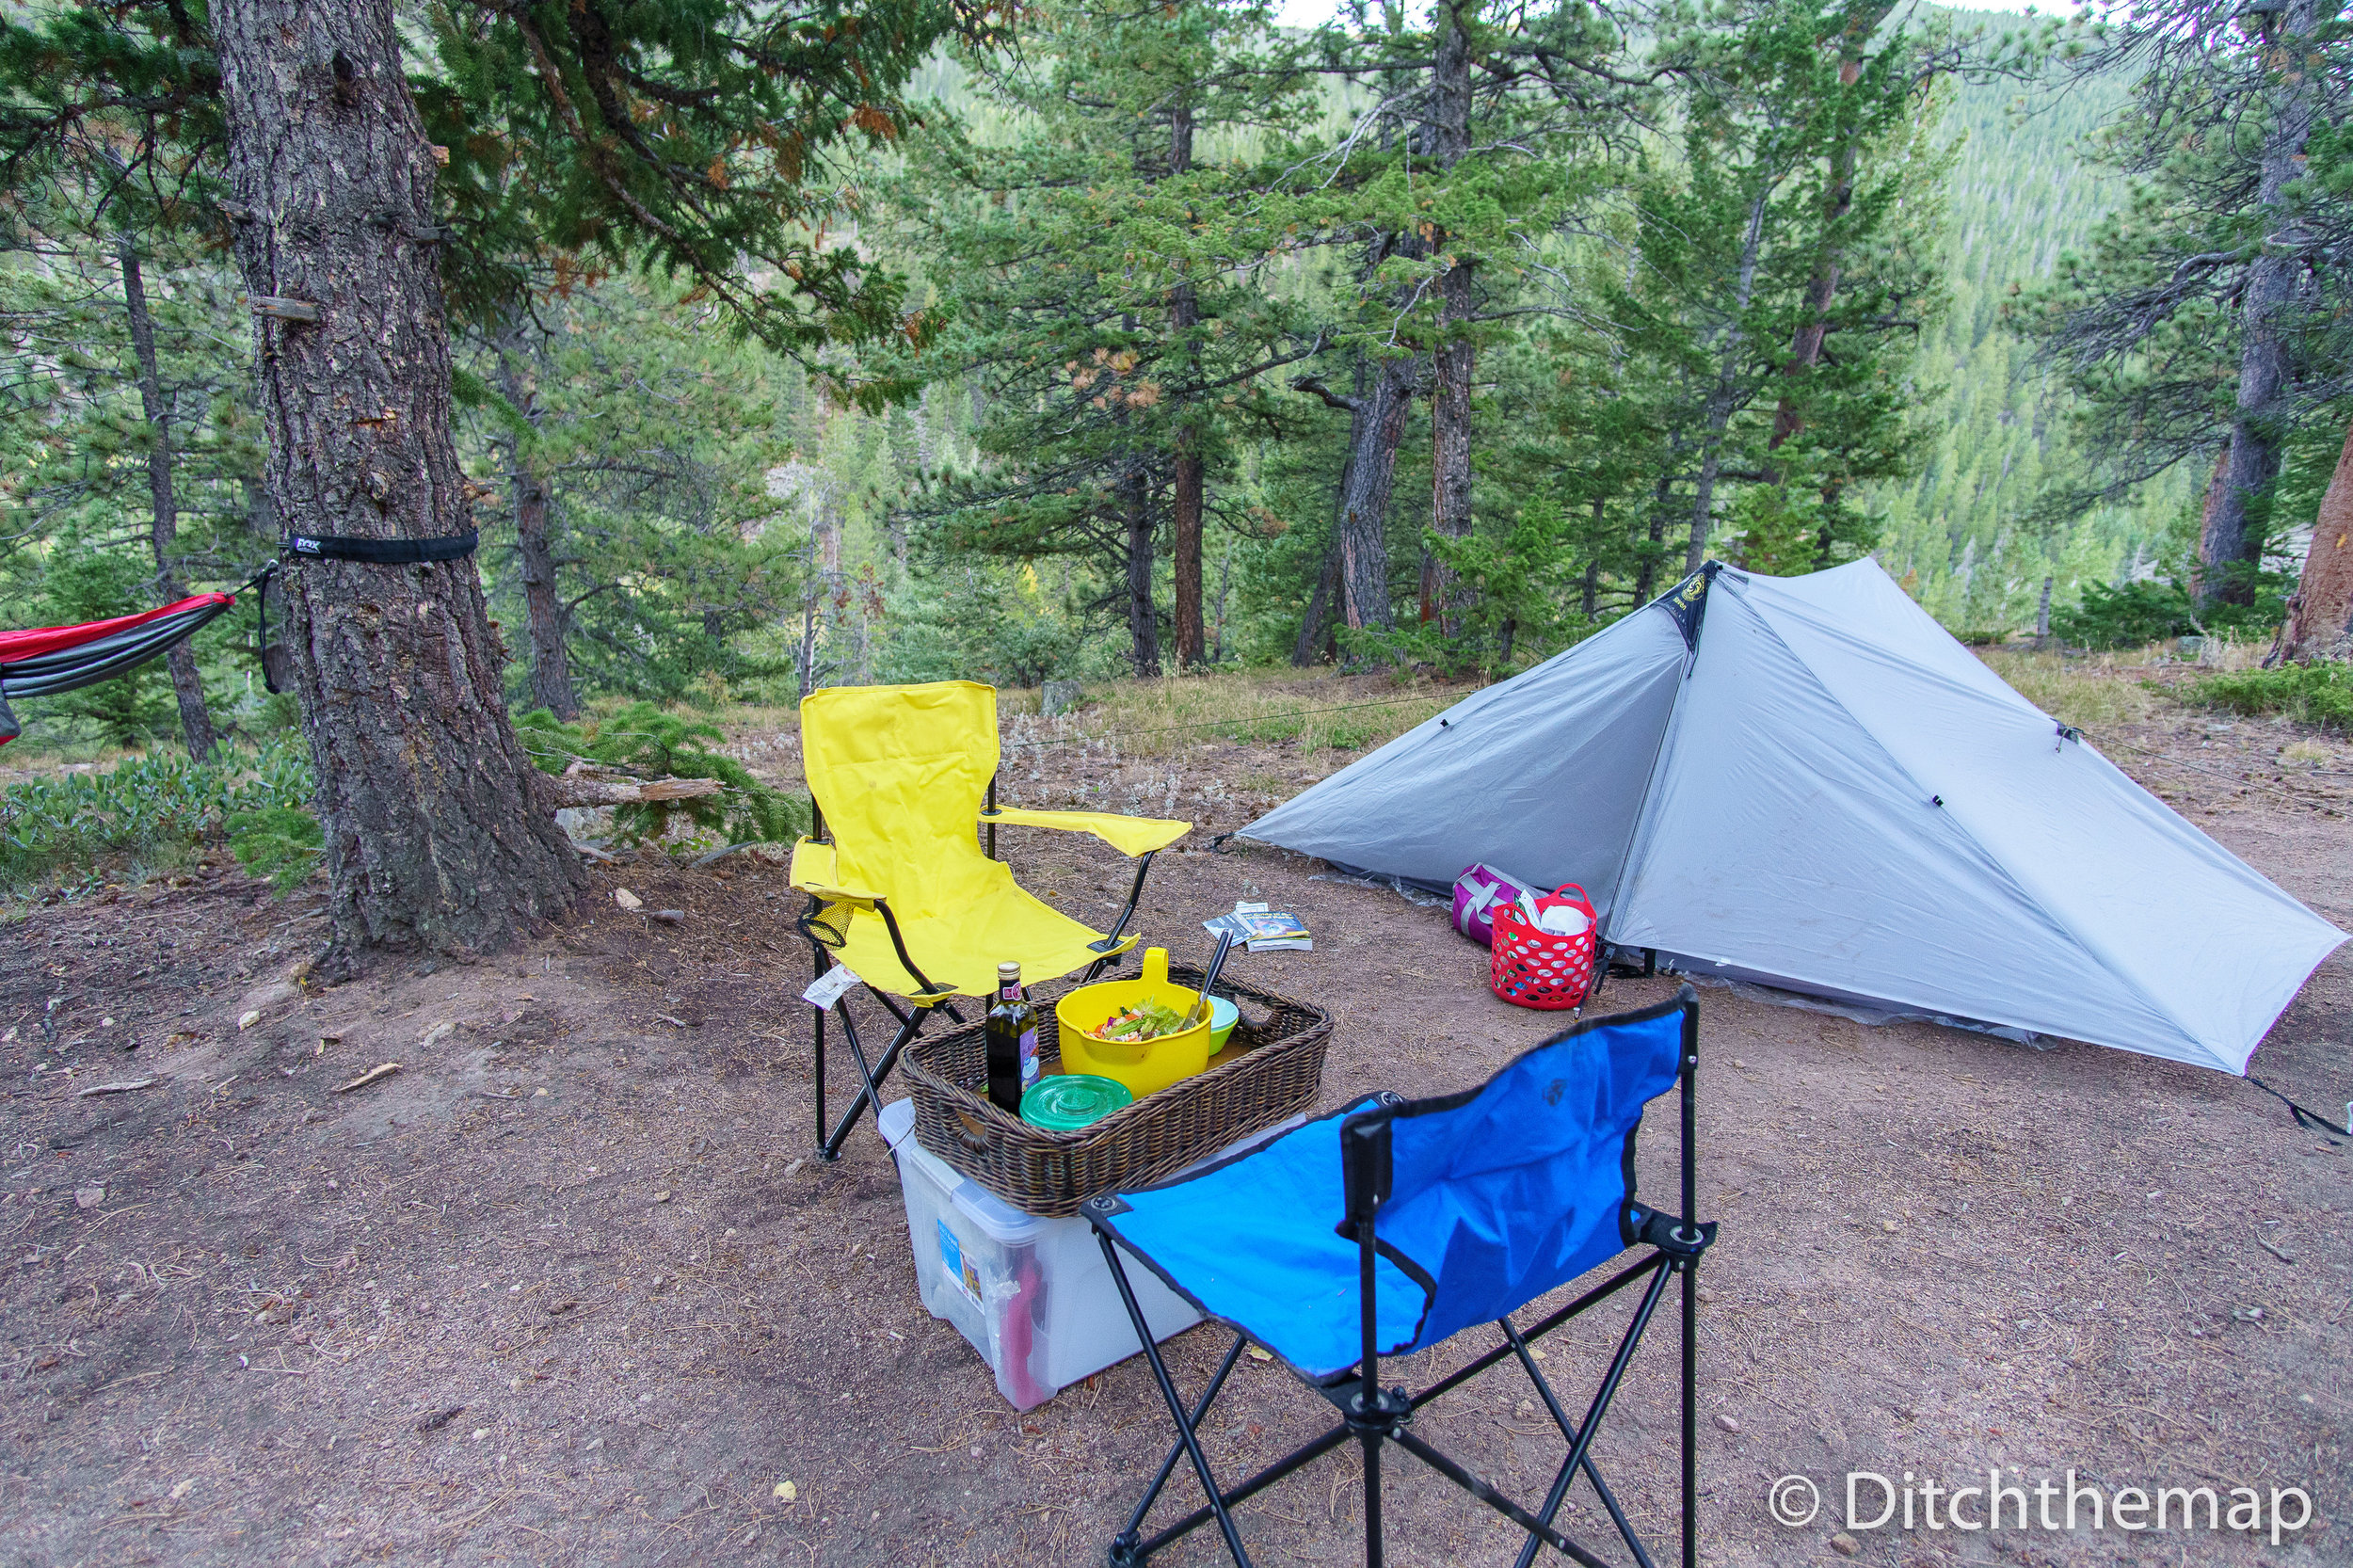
[{"x": 1477, "y": 891}]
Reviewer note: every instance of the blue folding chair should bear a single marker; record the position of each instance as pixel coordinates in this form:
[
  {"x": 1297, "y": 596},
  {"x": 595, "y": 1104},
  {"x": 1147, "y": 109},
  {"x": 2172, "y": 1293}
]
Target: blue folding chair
[{"x": 1392, "y": 1225}]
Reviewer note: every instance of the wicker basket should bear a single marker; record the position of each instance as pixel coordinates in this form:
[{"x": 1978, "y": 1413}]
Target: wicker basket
[{"x": 1278, "y": 1070}]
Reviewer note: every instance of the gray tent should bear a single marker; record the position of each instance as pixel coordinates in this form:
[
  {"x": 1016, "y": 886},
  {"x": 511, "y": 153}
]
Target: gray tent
[{"x": 1805, "y": 782}]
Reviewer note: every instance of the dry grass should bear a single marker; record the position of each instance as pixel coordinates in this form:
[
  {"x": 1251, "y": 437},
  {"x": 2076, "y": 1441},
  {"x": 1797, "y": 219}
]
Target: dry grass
[
  {"x": 1146, "y": 719},
  {"x": 1137, "y": 728},
  {"x": 2089, "y": 693}
]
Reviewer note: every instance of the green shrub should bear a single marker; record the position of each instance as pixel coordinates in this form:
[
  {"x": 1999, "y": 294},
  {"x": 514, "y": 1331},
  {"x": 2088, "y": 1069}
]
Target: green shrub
[
  {"x": 280, "y": 842},
  {"x": 2152, "y": 610},
  {"x": 154, "y": 807},
  {"x": 2144, "y": 612},
  {"x": 2318, "y": 695},
  {"x": 642, "y": 740}
]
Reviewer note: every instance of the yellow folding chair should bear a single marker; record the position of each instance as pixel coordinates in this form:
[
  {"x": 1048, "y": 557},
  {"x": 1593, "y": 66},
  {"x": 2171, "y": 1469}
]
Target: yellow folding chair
[{"x": 903, "y": 778}]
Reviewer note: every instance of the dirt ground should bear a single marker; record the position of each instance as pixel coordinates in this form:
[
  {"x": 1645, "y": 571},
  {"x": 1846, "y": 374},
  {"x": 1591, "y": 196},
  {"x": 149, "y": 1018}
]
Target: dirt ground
[{"x": 565, "y": 1289}]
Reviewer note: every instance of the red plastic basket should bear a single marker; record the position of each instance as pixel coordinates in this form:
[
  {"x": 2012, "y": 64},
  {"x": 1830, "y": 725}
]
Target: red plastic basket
[{"x": 1537, "y": 969}]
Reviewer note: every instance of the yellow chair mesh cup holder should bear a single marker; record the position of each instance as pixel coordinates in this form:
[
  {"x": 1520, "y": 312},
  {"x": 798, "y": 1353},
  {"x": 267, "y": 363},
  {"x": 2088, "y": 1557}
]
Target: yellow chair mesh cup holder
[{"x": 901, "y": 889}]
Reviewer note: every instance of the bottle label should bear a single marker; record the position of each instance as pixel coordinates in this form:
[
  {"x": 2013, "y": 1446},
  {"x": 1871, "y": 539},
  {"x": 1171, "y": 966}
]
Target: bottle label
[{"x": 1029, "y": 1056}]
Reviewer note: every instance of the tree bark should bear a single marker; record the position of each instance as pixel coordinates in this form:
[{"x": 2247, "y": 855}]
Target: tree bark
[
  {"x": 535, "y": 552},
  {"x": 1646, "y": 574},
  {"x": 1365, "y": 507},
  {"x": 1144, "y": 628},
  {"x": 2218, "y": 485},
  {"x": 1190, "y": 639},
  {"x": 1589, "y": 590},
  {"x": 435, "y": 835},
  {"x": 543, "y": 606},
  {"x": 163, "y": 529},
  {"x": 1455, "y": 359},
  {"x": 2320, "y": 615},
  {"x": 1721, "y": 398},
  {"x": 1184, "y": 315},
  {"x": 1376, "y": 426},
  {"x": 1314, "y": 626},
  {"x": 2257, "y": 425}
]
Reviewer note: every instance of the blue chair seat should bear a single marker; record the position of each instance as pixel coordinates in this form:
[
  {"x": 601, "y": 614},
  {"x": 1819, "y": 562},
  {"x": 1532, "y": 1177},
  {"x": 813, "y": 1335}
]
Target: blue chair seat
[{"x": 1500, "y": 1195}]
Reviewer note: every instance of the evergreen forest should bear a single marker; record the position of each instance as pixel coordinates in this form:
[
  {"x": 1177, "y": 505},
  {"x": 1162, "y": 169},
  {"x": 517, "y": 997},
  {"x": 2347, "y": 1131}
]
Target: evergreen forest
[{"x": 1128, "y": 340}]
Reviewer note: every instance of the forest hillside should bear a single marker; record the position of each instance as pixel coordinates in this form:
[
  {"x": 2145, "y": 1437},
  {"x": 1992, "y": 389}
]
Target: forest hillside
[{"x": 1175, "y": 387}]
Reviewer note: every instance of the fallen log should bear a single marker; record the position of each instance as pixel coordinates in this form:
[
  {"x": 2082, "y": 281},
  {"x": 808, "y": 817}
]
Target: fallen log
[{"x": 581, "y": 790}]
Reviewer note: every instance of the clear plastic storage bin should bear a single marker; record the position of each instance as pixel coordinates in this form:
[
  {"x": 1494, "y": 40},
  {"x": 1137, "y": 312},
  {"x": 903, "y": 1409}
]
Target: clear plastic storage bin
[{"x": 1032, "y": 1295}]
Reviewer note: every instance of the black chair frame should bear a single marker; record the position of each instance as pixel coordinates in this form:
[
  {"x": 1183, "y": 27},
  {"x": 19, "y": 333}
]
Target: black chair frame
[{"x": 1371, "y": 1416}]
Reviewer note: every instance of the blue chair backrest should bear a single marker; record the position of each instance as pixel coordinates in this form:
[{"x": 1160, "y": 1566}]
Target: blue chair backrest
[{"x": 1502, "y": 1192}]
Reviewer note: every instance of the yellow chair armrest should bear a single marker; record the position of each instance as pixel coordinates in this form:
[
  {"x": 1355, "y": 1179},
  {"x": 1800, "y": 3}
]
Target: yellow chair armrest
[
  {"x": 814, "y": 874},
  {"x": 1130, "y": 836}
]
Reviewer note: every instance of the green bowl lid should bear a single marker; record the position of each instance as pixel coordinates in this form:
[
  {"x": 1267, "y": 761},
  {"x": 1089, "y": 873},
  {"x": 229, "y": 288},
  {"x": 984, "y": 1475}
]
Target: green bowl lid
[{"x": 1066, "y": 1102}]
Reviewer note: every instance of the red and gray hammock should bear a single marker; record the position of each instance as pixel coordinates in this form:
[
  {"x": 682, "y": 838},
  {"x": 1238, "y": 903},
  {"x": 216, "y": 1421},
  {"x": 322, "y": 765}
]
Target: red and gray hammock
[{"x": 53, "y": 659}]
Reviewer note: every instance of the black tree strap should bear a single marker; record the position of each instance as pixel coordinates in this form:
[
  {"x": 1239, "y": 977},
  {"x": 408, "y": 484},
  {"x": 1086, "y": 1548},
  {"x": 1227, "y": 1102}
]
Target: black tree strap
[
  {"x": 261, "y": 624},
  {"x": 387, "y": 552}
]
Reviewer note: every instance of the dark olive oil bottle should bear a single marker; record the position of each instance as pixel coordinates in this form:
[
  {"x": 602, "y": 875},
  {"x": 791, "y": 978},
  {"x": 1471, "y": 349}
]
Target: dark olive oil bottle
[{"x": 1012, "y": 1036}]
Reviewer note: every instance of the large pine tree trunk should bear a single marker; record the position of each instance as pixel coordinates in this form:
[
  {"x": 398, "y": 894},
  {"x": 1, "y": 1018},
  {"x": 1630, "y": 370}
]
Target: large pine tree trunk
[
  {"x": 436, "y": 838},
  {"x": 195, "y": 720},
  {"x": 1365, "y": 508},
  {"x": 1455, "y": 360},
  {"x": 2320, "y": 617},
  {"x": 2257, "y": 419}
]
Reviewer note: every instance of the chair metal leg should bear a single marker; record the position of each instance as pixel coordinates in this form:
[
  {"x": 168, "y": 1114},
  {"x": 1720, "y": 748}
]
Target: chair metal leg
[
  {"x": 1175, "y": 1406},
  {"x": 1691, "y": 1415},
  {"x": 1539, "y": 1531},
  {"x": 1176, "y": 1450},
  {"x": 1297, "y": 1459},
  {"x": 869, "y": 1090},
  {"x": 1568, "y": 1430},
  {"x": 1600, "y": 1407},
  {"x": 816, "y": 1075},
  {"x": 1371, "y": 1444}
]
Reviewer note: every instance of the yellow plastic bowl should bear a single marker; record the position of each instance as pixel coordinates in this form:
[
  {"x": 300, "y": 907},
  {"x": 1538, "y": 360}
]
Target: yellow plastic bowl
[{"x": 1145, "y": 1066}]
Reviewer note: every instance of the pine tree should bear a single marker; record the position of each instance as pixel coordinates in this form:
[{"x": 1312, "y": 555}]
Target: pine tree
[
  {"x": 1100, "y": 277},
  {"x": 624, "y": 438},
  {"x": 692, "y": 136},
  {"x": 1779, "y": 276},
  {"x": 1485, "y": 131},
  {"x": 2201, "y": 318}
]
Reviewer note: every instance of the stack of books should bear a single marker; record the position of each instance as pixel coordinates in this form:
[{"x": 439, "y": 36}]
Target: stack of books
[{"x": 1263, "y": 930}]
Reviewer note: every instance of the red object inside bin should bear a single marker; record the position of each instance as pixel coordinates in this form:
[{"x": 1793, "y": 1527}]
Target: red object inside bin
[{"x": 1538, "y": 968}]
